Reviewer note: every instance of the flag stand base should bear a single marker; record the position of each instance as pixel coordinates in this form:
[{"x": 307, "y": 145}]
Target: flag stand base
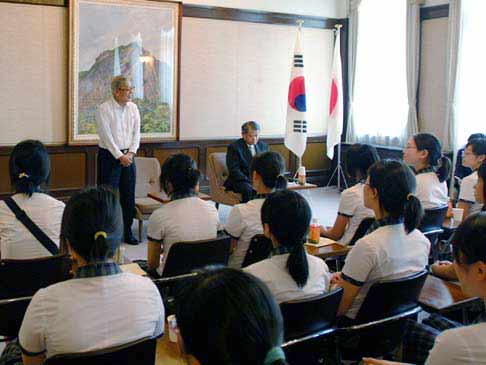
[{"x": 339, "y": 171}]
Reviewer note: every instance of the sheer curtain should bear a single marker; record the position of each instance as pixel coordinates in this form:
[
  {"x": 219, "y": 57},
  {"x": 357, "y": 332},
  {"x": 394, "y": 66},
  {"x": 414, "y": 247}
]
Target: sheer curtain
[
  {"x": 471, "y": 71},
  {"x": 380, "y": 105}
]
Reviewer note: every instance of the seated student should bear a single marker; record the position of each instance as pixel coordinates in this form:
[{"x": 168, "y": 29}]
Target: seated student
[
  {"x": 228, "y": 317},
  {"x": 102, "y": 306},
  {"x": 424, "y": 153},
  {"x": 352, "y": 211},
  {"x": 474, "y": 156},
  {"x": 393, "y": 248},
  {"x": 462, "y": 171},
  {"x": 290, "y": 273},
  {"x": 238, "y": 159},
  {"x": 29, "y": 169},
  {"x": 185, "y": 218},
  {"x": 244, "y": 220},
  {"x": 445, "y": 269},
  {"x": 464, "y": 344}
]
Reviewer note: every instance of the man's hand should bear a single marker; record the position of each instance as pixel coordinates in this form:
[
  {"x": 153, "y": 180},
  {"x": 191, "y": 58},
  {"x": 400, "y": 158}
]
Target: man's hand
[{"x": 125, "y": 160}]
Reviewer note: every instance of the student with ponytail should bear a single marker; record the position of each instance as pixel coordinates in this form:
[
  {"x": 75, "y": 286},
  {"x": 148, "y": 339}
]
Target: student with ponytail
[
  {"x": 29, "y": 167},
  {"x": 393, "y": 247},
  {"x": 228, "y": 317},
  {"x": 290, "y": 273},
  {"x": 102, "y": 306},
  {"x": 424, "y": 153},
  {"x": 266, "y": 170},
  {"x": 186, "y": 217}
]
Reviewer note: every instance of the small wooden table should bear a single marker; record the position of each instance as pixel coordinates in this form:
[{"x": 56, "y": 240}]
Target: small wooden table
[
  {"x": 334, "y": 251},
  {"x": 296, "y": 186},
  {"x": 162, "y": 197},
  {"x": 441, "y": 296}
]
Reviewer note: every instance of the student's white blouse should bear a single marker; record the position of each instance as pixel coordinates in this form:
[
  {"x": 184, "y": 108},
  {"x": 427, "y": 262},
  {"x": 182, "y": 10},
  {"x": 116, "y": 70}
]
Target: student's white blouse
[
  {"x": 16, "y": 241},
  {"x": 467, "y": 192},
  {"x": 430, "y": 191}
]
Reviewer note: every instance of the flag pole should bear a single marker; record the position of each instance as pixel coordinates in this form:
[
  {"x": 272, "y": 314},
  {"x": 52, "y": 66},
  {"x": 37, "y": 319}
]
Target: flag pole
[
  {"x": 338, "y": 170},
  {"x": 299, "y": 158}
]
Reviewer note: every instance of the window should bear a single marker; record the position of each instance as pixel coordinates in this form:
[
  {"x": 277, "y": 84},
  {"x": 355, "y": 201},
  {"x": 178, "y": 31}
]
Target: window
[
  {"x": 380, "y": 90},
  {"x": 471, "y": 72}
]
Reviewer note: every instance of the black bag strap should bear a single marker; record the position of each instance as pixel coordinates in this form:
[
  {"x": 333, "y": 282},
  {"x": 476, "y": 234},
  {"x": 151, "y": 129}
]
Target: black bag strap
[{"x": 32, "y": 227}]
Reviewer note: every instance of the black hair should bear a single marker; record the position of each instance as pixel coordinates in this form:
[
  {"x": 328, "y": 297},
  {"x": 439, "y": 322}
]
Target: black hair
[
  {"x": 228, "y": 317},
  {"x": 29, "y": 166},
  {"x": 250, "y": 126},
  {"x": 288, "y": 216},
  {"x": 430, "y": 143},
  {"x": 271, "y": 167},
  {"x": 87, "y": 213},
  {"x": 180, "y": 171},
  {"x": 482, "y": 176},
  {"x": 359, "y": 158},
  {"x": 396, "y": 185},
  {"x": 468, "y": 240},
  {"x": 476, "y": 136},
  {"x": 478, "y": 146}
]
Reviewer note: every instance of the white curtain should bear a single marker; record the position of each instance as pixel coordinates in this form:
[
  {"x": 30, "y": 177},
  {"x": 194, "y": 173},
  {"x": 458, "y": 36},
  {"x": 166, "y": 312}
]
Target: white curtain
[
  {"x": 413, "y": 49},
  {"x": 379, "y": 94},
  {"x": 353, "y": 41}
]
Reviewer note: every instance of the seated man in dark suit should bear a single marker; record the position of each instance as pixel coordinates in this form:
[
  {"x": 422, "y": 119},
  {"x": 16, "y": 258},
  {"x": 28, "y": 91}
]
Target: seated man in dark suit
[{"x": 238, "y": 159}]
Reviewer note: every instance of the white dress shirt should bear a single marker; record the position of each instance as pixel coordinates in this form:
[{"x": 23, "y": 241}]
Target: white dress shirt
[
  {"x": 16, "y": 241},
  {"x": 118, "y": 127}
]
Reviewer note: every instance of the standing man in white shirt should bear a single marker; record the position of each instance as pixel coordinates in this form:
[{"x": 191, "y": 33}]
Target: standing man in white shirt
[{"x": 118, "y": 123}]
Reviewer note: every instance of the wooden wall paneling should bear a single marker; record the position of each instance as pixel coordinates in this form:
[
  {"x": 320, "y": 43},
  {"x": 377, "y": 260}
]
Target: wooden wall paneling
[
  {"x": 315, "y": 157},
  {"x": 68, "y": 170},
  {"x": 164, "y": 154},
  {"x": 4, "y": 175},
  {"x": 280, "y": 148}
]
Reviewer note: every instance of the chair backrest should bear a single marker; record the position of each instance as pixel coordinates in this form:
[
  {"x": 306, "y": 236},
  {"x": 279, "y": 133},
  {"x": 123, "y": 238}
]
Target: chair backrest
[
  {"x": 140, "y": 352},
  {"x": 391, "y": 297},
  {"x": 217, "y": 171},
  {"x": 433, "y": 218},
  {"x": 12, "y": 313},
  {"x": 259, "y": 249},
  {"x": 307, "y": 316},
  {"x": 183, "y": 257},
  {"x": 20, "y": 278},
  {"x": 361, "y": 230},
  {"x": 148, "y": 176}
]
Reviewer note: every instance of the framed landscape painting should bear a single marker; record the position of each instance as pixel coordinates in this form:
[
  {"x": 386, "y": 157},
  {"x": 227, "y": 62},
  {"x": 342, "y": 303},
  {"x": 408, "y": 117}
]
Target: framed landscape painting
[{"x": 136, "y": 39}]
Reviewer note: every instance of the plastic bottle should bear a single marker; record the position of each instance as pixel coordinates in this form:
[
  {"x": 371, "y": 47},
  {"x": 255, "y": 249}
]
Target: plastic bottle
[
  {"x": 301, "y": 175},
  {"x": 315, "y": 231}
]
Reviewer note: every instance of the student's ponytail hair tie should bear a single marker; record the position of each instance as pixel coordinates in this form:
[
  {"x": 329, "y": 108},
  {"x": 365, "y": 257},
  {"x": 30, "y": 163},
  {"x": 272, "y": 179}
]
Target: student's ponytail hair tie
[
  {"x": 100, "y": 233},
  {"x": 23, "y": 174},
  {"x": 274, "y": 354},
  {"x": 410, "y": 196}
]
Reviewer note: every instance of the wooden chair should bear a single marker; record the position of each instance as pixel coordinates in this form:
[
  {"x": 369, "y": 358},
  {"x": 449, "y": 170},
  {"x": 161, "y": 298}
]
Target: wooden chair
[
  {"x": 378, "y": 327},
  {"x": 20, "y": 278},
  {"x": 140, "y": 352},
  {"x": 306, "y": 323},
  {"x": 259, "y": 249},
  {"x": 217, "y": 173},
  {"x": 148, "y": 181}
]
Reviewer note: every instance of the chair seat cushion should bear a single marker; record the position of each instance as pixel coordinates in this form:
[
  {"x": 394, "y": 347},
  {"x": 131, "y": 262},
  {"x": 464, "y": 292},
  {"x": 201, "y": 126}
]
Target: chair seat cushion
[{"x": 147, "y": 205}]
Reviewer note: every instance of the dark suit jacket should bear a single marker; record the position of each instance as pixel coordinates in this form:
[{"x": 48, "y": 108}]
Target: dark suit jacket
[{"x": 238, "y": 159}]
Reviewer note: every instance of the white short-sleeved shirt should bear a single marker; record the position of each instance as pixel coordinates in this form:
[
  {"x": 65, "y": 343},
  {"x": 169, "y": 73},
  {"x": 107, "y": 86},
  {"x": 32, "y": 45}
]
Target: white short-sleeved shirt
[
  {"x": 463, "y": 345},
  {"x": 430, "y": 191},
  {"x": 183, "y": 220},
  {"x": 244, "y": 222},
  {"x": 352, "y": 206},
  {"x": 92, "y": 313},
  {"x": 467, "y": 192},
  {"x": 385, "y": 254},
  {"x": 273, "y": 272},
  {"x": 16, "y": 241}
]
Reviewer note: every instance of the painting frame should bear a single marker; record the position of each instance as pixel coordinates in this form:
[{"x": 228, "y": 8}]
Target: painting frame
[{"x": 75, "y": 135}]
